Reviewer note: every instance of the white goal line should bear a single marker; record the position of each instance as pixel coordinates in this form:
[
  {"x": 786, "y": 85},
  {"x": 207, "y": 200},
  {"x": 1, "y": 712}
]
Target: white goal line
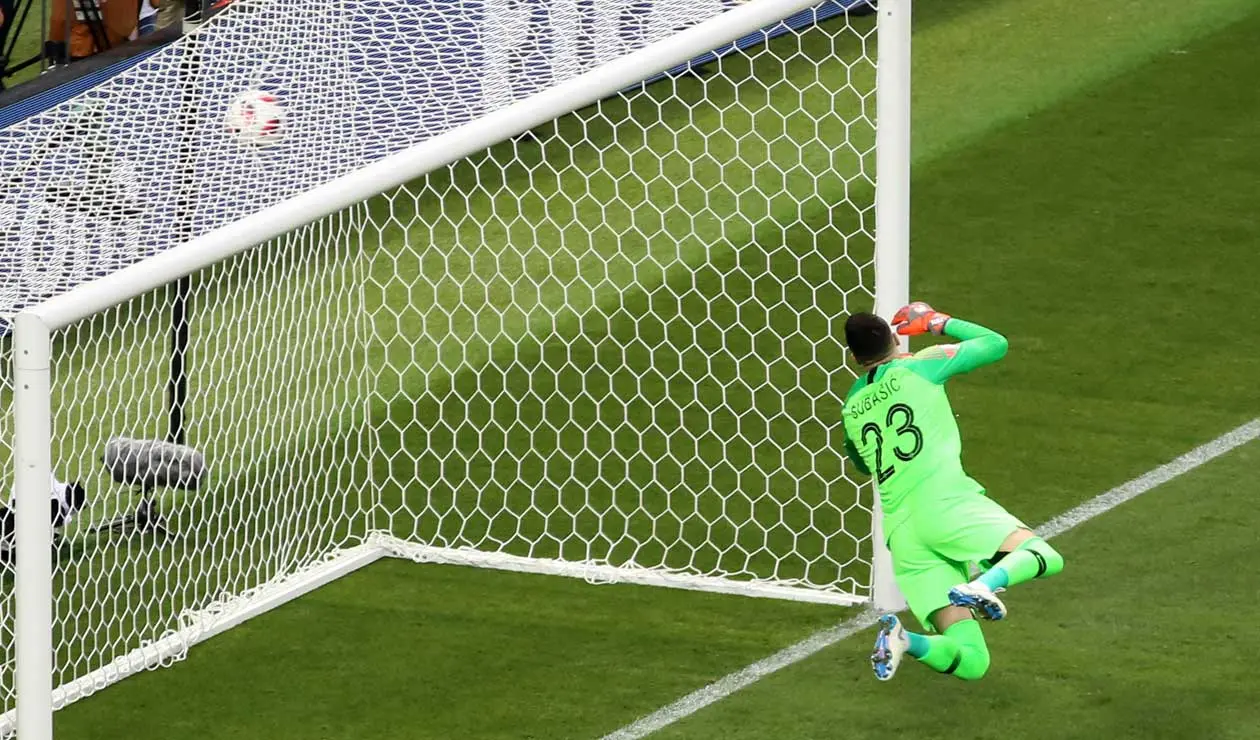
[
  {"x": 205, "y": 623},
  {"x": 220, "y": 616},
  {"x": 1100, "y": 504}
]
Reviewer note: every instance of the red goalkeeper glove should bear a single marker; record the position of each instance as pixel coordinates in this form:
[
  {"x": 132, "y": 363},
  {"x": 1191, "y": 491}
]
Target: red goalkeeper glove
[{"x": 919, "y": 318}]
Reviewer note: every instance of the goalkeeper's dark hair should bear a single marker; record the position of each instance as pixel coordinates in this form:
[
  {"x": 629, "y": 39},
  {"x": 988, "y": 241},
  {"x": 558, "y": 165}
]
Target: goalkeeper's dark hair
[{"x": 868, "y": 336}]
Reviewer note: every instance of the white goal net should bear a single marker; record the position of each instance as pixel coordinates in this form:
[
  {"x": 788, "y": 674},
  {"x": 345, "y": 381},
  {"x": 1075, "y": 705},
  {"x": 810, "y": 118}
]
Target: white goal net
[{"x": 607, "y": 348}]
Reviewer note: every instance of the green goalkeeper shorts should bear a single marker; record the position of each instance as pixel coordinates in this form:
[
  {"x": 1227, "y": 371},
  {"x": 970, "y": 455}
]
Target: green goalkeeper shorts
[{"x": 931, "y": 550}]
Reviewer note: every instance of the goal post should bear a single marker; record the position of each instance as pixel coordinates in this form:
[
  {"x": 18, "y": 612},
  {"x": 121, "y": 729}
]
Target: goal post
[
  {"x": 610, "y": 349},
  {"x": 892, "y": 232},
  {"x": 32, "y": 465}
]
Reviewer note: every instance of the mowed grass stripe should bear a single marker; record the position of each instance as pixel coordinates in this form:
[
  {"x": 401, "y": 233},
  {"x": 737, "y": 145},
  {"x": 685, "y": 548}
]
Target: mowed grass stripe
[
  {"x": 664, "y": 674},
  {"x": 250, "y": 502}
]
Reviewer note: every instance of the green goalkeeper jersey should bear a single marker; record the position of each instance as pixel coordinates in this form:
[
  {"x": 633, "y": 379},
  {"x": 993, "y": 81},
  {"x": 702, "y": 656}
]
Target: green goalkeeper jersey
[{"x": 899, "y": 427}]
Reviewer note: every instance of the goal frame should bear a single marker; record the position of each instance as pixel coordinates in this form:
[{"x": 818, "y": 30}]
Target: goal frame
[{"x": 34, "y": 326}]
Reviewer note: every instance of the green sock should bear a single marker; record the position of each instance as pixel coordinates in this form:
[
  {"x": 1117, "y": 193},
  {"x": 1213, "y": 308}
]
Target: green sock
[
  {"x": 961, "y": 651},
  {"x": 1033, "y": 558}
]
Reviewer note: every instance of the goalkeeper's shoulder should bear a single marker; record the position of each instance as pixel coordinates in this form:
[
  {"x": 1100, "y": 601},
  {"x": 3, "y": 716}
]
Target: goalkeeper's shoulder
[{"x": 936, "y": 352}]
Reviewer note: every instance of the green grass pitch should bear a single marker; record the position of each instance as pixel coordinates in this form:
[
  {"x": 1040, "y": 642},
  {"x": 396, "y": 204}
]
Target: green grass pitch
[{"x": 1085, "y": 182}]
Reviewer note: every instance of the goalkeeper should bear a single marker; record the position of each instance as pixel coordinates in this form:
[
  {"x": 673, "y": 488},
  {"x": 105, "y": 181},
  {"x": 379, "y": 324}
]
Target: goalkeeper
[{"x": 900, "y": 429}]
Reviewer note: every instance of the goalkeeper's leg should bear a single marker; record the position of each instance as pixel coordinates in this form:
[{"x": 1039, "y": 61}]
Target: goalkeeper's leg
[
  {"x": 976, "y": 528},
  {"x": 959, "y": 650},
  {"x": 1022, "y": 557},
  {"x": 925, "y": 578}
]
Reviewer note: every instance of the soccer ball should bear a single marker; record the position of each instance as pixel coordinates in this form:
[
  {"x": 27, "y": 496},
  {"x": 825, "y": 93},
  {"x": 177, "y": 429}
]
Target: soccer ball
[{"x": 256, "y": 118}]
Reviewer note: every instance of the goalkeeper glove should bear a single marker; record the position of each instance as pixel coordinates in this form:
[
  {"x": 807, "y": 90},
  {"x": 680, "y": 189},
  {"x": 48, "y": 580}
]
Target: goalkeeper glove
[{"x": 919, "y": 318}]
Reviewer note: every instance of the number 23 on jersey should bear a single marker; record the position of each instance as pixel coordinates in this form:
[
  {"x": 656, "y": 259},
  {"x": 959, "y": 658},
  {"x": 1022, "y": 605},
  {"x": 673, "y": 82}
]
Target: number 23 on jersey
[{"x": 906, "y": 438}]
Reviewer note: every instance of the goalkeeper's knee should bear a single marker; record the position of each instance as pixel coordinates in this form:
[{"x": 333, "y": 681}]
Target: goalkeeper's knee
[
  {"x": 1049, "y": 561},
  {"x": 972, "y": 661}
]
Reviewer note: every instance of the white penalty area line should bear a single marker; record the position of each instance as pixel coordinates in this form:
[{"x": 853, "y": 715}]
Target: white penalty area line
[{"x": 745, "y": 677}]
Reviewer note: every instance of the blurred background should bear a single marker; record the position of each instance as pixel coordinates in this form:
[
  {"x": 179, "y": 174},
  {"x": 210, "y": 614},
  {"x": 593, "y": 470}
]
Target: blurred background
[{"x": 44, "y": 43}]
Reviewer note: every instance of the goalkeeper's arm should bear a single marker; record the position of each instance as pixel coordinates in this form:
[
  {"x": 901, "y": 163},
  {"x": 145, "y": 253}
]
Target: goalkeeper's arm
[
  {"x": 979, "y": 346},
  {"x": 856, "y": 459}
]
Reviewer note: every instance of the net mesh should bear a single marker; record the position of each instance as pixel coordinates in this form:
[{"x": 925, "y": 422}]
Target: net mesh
[
  {"x": 618, "y": 342},
  {"x": 143, "y": 161},
  {"x": 276, "y": 405},
  {"x": 613, "y": 342}
]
